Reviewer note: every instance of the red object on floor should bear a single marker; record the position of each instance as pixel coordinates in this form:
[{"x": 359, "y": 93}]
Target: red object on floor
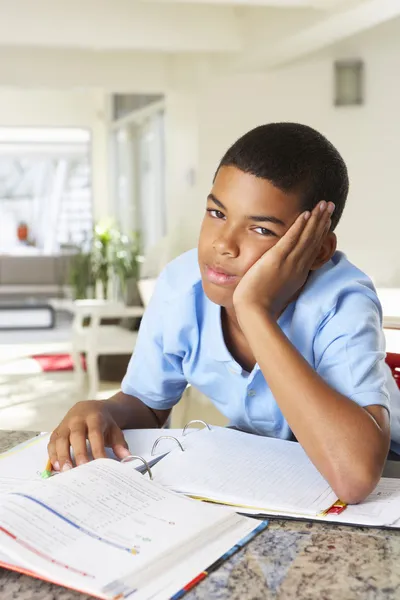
[
  {"x": 56, "y": 362},
  {"x": 63, "y": 362}
]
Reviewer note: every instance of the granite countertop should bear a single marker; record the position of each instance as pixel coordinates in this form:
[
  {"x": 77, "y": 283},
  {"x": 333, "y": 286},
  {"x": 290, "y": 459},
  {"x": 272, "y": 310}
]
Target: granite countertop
[{"x": 289, "y": 560}]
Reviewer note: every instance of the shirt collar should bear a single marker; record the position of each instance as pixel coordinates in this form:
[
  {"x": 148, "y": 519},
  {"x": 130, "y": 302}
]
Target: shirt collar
[{"x": 218, "y": 349}]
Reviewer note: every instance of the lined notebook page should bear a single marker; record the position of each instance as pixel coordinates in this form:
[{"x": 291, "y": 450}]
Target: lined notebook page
[{"x": 246, "y": 470}]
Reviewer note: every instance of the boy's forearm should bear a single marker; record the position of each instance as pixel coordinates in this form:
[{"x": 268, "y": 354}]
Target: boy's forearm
[
  {"x": 342, "y": 439},
  {"x": 130, "y": 413}
]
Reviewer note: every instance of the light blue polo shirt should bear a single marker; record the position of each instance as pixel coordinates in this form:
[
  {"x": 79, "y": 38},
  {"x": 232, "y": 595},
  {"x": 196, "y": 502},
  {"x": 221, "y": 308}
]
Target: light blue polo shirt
[{"x": 336, "y": 324}]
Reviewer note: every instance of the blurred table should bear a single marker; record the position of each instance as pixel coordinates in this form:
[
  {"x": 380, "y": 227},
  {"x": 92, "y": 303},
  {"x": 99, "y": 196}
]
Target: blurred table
[{"x": 94, "y": 338}]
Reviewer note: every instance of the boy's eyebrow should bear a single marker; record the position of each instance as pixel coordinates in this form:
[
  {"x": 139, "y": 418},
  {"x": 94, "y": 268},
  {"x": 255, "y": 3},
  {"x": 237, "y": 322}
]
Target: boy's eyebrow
[
  {"x": 267, "y": 219},
  {"x": 216, "y": 201},
  {"x": 260, "y": 218}
]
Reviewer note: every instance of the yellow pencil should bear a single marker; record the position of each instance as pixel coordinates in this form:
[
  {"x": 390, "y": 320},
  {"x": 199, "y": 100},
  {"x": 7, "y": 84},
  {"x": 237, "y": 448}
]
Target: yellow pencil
[{"x": 48, "y": 470}]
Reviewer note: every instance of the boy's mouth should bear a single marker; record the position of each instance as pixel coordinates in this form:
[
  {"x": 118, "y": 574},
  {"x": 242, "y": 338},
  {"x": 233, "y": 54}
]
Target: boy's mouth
[{"x": 219, "y": 276}]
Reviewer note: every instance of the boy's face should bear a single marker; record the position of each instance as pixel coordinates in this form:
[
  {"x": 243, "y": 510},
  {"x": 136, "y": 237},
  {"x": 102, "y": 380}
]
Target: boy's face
[{"x": 245, "y": 217}]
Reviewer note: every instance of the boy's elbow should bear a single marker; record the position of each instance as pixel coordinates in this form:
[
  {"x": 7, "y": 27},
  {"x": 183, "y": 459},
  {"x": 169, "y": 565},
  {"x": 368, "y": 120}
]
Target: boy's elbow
[
  {"x": 356, "y": 485},
  {"x": 354, "y": 493},
  {"x": 355, "y": 477}
]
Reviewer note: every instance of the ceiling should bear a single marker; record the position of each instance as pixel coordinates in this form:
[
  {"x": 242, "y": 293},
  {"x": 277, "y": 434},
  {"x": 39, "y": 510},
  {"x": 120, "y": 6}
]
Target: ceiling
[{"x": 115, "y": 37}]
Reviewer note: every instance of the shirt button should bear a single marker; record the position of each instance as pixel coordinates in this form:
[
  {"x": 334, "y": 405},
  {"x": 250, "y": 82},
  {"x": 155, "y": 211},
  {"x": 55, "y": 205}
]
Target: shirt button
[{"x": 251, "y": 393}]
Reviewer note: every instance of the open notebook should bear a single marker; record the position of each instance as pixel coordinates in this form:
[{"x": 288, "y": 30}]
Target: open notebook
[
  {"x": 251, "y": 474},
  {"x": 259, "y": 475},
  {"x": 265, "y": 476},
  {"x": 107, "y": 530}
]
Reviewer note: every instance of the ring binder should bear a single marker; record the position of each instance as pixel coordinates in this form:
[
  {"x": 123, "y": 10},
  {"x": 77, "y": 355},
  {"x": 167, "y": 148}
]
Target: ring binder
[
  {"x": 134, "y": 457},
  {"x": 195, "y": 421},
  {"x": 168, "y": 437}
]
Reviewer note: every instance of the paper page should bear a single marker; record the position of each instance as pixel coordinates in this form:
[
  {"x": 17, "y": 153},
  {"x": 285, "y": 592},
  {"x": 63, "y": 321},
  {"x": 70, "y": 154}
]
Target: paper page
[
  {"x": 246, "y": 470},
  {"x": 23, "y": 463},
  {"x": 99, "y": 523},
  {"x": 6, "y": 561},
  {"x": 26, "y": 461},
  {"x": 382, "y": 507}
]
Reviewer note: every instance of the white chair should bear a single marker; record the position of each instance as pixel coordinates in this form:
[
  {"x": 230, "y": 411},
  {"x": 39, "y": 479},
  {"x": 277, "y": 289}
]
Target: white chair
[{"x": 97, "y": 339}]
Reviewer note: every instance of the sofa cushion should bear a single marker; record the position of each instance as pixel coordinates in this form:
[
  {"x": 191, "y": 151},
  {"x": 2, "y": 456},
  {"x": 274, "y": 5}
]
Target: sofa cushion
[{"x": 28, "y": 270}]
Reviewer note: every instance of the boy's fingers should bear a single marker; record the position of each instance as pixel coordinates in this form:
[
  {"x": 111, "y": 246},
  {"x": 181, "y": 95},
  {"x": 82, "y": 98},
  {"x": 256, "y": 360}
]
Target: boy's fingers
[
  {"x": 289, "y": 241},
  {"x": 96, "y": 440},
  {"x": 78, "y": 442},
  {"x": 51, "y": 450},
  {"x": 312, "y": 236},
  {"x": 63, "y": 453},
  {"x": 118, "y": 443},
  {"x": 306, "y": 234},
  {"x": 322, "y": 229}
]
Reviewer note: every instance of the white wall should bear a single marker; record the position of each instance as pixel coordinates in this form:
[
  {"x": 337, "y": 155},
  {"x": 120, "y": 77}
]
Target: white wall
[
  {"x": 202, "y": 121},
  {"x": 181, "y": 155},
  {"x": 368, "y": 138},
  {"x": 62, "y": 108},
  {"x": 47, "y": 108}
]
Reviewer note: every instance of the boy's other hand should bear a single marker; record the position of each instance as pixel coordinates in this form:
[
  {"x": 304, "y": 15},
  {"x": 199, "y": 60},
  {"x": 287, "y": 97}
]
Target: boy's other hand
[
  {"x": 90, "y": 420},
  {"x": 273, "y": 281}
]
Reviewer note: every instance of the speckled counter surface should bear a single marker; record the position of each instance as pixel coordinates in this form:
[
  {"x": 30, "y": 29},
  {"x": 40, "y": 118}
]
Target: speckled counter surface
[{"x": 290, "y": 560}]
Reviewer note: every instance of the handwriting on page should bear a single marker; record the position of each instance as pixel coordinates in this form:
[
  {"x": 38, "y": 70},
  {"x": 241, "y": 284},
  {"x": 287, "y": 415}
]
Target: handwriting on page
[{"x": 244, "y": 469}]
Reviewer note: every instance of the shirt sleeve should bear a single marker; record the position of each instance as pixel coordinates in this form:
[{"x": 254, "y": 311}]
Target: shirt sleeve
[
  {"x": 153, "y": 376},
  {"x": 349, "y": 350}
]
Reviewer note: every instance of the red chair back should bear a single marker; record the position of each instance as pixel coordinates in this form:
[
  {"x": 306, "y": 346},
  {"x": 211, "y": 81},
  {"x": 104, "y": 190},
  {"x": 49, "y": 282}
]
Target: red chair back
[{"x": 393, "y": 360}]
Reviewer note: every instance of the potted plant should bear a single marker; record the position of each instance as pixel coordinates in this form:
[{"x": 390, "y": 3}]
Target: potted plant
[
  {"x": 126, "y": 264},
  {"x": 115, "y": 262},
  {"x": 103, "y": 235},
  {"x": 81, "y": 275}
]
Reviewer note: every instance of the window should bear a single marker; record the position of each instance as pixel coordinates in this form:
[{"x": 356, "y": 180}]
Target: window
[
  {"x": 45, "y": 189},
  {"x": 140, "y": 175},
  {"x": 151, "y": 176},
  {"x": 125, "y": 104}
]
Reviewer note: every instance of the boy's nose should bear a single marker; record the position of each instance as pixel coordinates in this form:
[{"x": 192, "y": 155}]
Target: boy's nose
[{"x": 226, "y": 245}]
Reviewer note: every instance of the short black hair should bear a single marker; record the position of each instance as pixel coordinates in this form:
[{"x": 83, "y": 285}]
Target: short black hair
[{"x": 294, "y": 158}]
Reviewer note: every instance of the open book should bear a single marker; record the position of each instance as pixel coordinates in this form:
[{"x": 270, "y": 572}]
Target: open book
[
  {"x": 107, "y": 530},
  {"x": 26, "y": 461}
]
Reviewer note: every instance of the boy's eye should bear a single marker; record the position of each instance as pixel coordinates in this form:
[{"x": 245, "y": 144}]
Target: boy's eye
[
  {"x": 264, "y": 231},
  {"x": 216, "y": 214}
]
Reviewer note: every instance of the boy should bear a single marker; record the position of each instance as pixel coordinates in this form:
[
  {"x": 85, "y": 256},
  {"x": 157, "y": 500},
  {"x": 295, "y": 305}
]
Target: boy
[{"x": 266, "y": 318}]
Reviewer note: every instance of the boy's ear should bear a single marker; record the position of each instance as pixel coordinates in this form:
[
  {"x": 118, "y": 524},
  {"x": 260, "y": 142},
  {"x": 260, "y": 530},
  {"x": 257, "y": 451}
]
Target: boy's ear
[{"x": 326, "y": 252}]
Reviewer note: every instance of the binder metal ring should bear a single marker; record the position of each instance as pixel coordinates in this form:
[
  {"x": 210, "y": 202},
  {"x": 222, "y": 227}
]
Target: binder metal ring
[
  {"x": 166, "y": 437},
  {"x": 134, "y": 457},
  {"x": 195, "y": 421}
]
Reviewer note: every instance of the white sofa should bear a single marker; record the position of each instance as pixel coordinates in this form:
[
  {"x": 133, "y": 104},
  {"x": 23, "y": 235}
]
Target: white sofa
[{"x": 40, "y": 276}]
